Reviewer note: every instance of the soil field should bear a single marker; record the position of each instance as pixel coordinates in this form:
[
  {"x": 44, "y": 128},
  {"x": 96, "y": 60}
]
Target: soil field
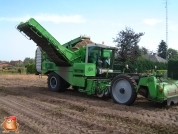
[{"x": 40, "y": 111}]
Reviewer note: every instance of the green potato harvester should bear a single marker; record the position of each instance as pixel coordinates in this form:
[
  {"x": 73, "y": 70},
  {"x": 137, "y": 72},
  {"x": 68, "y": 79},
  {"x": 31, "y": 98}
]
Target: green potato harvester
[{"x": 90, "y": 69}]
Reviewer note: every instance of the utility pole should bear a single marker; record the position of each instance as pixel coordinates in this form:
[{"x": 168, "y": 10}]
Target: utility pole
[
  {"x": 166, "y": 27},
  {"x": 166, "y": 23}
]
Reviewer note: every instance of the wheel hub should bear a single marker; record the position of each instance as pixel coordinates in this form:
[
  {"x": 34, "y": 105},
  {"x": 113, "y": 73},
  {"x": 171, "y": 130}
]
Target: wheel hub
[{"x": 122, "y": 90}]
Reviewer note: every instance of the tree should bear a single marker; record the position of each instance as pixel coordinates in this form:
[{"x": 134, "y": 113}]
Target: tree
[
  {"x": 172, "y": 54},
  {"x": 28, "y": 61},
  {"x": 127, "y": 41},
  {"x": 31, "y": 68},
  {"x": 162, "y": 49},
  {"x": 144, "y": 50}
]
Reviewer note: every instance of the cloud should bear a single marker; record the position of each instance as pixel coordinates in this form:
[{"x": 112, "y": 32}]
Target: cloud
[
  {"x": 55, "y": 18},
  {"x": 152, "y": 21}
]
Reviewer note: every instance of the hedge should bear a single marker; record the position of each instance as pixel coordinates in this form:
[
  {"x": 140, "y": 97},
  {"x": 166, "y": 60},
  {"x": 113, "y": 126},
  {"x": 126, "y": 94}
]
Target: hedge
[
  {"x": 172, "y": 69},
  {"x": 141, "y": 64}
]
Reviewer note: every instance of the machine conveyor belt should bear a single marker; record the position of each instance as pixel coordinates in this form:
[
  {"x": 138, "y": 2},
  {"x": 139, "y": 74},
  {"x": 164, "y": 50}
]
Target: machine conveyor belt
[{"x": 46, "y": 41}]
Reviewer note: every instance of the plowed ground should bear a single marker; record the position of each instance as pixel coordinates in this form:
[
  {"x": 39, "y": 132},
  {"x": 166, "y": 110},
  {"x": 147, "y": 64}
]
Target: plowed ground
[{"x": 40, "y": 111}]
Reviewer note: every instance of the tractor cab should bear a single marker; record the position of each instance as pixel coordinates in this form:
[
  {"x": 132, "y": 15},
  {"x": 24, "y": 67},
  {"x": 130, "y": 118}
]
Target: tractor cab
[{"x": 101, "y": 55}]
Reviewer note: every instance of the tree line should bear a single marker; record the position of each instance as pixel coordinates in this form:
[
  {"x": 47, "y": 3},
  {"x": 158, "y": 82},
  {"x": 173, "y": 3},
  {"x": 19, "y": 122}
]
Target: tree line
[{"x": 127, "y": 41}]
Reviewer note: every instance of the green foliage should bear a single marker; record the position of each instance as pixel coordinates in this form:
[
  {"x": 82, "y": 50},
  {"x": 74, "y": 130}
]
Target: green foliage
[
  {"x": 141, "y": 65},
  {"x": 19, "y": 65},
  {"x": 162, "y": 49},
  {"x": 127, "y": 40},
  {"x": 172, "y": 54},
  {"x": 31, "y": 68},
  {"x": 13, "y": 70},
  {"x": 144, "y": 50},
  {"x": 172, "y": 69},
  {"x": 28, "y": 61}
]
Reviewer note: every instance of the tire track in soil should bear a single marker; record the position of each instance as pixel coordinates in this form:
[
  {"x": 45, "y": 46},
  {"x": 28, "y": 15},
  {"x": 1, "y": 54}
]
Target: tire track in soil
[
  {"x": 25, "y": 126},
  {"x": 62, "y": 122},
  {"x": 71, "y": 115},
  {"x": 128, "y": 119},
  {"x": 24, "y": 116},
  {"x": 79, "y": 117},
  {"x": 90, "y": 102},
  {"x": 140, "y": 104},
  {"x": 76, "y": 107},
  {"x": 159, "y": 123},
  {"x": 55, "y": 126},
  {"x": 68, "y": 115},
  {"x": 140, "y": 113}
]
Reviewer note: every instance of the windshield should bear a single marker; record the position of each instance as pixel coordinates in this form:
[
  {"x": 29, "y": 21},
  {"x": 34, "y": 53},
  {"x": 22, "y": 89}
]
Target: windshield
[{"x": 100, "y": 56}]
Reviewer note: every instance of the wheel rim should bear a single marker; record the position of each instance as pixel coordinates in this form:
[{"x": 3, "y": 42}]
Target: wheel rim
[
  {"x": 53, "y": 82},
  {"x": 106, "y": 93},
  {"x": 121, "y": 90},
  {"x": 100, "y": 94}
]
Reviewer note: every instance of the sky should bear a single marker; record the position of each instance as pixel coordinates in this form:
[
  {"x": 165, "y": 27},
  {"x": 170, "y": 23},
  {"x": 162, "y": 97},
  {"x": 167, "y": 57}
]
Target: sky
[{"x": 101, "y": 20}]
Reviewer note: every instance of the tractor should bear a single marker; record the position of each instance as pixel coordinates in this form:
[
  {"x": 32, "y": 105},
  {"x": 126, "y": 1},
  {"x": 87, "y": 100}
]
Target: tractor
[{"x": 89, "y": 69}]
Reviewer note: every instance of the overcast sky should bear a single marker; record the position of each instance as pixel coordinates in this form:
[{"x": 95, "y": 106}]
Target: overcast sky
[{"x": 99, "y": 19}]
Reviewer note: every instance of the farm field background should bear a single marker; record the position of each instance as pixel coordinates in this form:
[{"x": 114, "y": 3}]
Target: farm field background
[{"x": 40, "y": 111}]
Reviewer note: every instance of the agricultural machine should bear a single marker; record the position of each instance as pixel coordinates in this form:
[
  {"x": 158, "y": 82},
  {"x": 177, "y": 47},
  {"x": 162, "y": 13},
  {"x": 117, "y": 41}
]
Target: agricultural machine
[{"x": 89, "y": 69}]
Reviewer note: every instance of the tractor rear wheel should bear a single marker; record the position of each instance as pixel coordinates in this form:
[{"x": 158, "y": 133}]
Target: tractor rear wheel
[
  {"x": 54, "y": 82},
  {"x": 123, "y": 90}
]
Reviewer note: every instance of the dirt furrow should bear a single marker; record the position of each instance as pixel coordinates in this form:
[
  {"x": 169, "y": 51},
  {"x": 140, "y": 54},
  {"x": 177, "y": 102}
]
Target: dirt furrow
[
  {"x": 104, "y": 118},
  {"x": 168, "y": 119},
  {"x": 37, "y": 109},
  {"x": 27, "y": 125},
  {"x": 80, "y": 117},
  {"x": 84, "y": 121},
  {"x": 64, "y": 112},
  {"x": 149, "y": 116},
  {"x": 50, "y": 114},
  {"x": 47, "y": 124},
  {"x": 94, "y": 101}
]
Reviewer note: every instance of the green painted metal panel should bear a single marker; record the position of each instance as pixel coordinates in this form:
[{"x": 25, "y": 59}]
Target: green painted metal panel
[
  {"x": 84, "y": 69},
  {"x": 90, "y": 87},
  {"x": 79, "y": 81},
  {"x": 59, "y": 54},
  {"x": 49, "y": 66},
  {"x": 149, "y": 82},
  {"x": 66, "y": 73},
  {"x": 159, "y": 90}
]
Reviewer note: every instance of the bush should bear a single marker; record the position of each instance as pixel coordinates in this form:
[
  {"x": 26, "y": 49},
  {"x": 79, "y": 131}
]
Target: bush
[
  {"x": 31, "y": 68},
  {"x": 172, "y": 69},
  {"x": 14, "y": 70},
  {"x": 141, "y": 64}
]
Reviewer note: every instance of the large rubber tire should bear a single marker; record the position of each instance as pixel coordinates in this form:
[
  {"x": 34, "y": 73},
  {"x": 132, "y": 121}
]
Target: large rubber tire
[
  {"x": 123, "y": 90},
  {"x": 54, "y": 82},
  {"x": 65, "y": 84}
]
